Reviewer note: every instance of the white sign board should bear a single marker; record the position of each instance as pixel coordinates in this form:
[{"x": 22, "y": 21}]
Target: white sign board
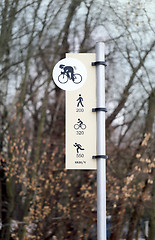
[{"x": 80, "y": 120}]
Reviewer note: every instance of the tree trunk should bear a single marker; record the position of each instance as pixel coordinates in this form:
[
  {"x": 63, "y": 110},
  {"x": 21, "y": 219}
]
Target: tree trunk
[
  {"x": 152, "y": 218},
  {"x": 136, "y": 213},
  {"x": 148, "y": 130},
  {"x": 6, "y": 203},
  {"x": 117, "y": 221}
]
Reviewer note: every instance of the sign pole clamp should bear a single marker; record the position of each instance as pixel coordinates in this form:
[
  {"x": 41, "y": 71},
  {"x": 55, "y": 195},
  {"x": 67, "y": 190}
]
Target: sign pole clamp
[
  {"x": 100, "y": 156},
  {"x": 99, "y": 109},
  {"x": 99, "y": 63}
]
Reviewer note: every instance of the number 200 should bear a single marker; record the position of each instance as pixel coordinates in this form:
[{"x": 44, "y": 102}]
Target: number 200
[{"x": 79, "y": 110}]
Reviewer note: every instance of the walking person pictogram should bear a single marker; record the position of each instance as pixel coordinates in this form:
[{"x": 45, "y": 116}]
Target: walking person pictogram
[
  {"x": 80, "y": 101},
  {"x": 78, "y": 147}
]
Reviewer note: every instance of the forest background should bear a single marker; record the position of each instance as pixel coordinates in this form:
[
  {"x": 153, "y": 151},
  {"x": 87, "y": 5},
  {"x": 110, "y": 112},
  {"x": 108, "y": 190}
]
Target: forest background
[{"x": 39, "y": 199}]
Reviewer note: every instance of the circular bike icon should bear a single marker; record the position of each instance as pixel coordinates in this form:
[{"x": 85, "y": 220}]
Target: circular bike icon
[
  {"x": 79, "y": 125},
  {"x": 68, "y": 74}
]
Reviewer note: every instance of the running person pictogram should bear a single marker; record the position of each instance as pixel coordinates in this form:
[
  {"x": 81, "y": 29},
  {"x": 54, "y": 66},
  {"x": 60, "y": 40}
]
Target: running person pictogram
[{"x": 78, "y": 147}]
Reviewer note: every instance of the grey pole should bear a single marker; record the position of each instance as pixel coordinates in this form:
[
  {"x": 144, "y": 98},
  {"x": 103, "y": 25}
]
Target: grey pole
[{"x": 101, "y": 162}]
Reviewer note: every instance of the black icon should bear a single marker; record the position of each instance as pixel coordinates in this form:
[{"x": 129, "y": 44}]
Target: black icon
[
  {"x": 80, "y": 101},
  {"x": 68, "y": 74},
  {"x": 80, "y": 124},
  {"x": 78, "y": 147}
]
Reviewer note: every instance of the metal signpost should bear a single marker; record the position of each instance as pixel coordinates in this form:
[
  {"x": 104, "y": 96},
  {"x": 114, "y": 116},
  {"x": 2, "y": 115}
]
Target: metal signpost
[
  {"x": 101, "y": 157},
  {"x": 84, "y": 97}
]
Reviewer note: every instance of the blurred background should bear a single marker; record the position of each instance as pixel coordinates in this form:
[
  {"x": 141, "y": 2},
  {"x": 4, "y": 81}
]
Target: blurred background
[{"x": 39, "y": 199}]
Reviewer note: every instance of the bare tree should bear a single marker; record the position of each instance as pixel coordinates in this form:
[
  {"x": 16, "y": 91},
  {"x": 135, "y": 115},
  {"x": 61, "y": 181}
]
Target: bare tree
[{"x": 36, "y": 191}]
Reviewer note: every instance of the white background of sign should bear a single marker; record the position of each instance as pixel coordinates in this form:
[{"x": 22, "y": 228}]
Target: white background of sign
[
  {"x": 88, "y": 139},
  {"x": 65, "y": 83}
]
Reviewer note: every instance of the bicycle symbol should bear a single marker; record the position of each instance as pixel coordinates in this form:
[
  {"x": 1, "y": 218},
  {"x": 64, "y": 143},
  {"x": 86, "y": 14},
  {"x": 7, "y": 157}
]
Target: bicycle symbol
[
  {"x": 79, "y": 124},
  {"x": 68, "y": 74}
]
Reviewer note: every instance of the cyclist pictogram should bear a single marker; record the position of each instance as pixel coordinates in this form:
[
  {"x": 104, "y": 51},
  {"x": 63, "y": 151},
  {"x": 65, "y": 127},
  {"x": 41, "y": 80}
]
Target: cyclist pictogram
[
  {"x": 68, "y": 74},
  {"x": 79, "y": 125}
]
